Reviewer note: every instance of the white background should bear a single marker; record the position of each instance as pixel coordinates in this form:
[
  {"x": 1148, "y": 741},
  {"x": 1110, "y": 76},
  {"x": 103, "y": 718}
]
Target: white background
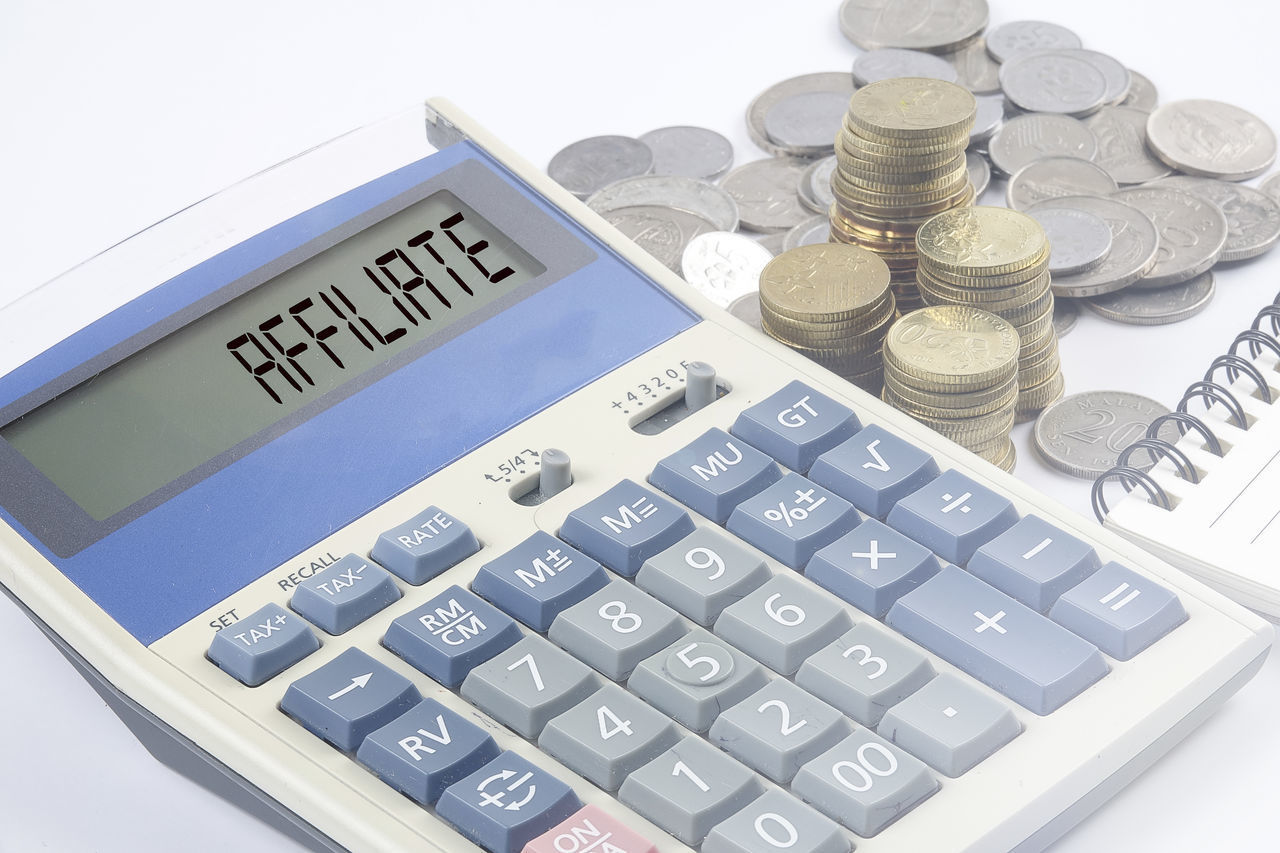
[{"x": 116, "y": 114}]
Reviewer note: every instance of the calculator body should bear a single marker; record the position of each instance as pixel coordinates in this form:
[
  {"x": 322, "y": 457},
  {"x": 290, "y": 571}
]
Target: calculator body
[{"x": 134, "y": 589}]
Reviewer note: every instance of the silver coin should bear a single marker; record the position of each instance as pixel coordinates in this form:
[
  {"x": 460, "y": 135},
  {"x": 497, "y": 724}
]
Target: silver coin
[
  {"x": 988, "y": 120},
  {"x": 1057, "y": 177},
  {"x": 701, "y": 198},
  {"x": 876, "y": 65},
  {"x": 747, "y": 309},
  {"x": 723, "y": 266},
  {"x": 975, "y": 68},
  {"x": 1065, "y": 314},
  {"x": 1113, "y": 71},
  {"x": 1156, "y": 307},
  {"x": 826, "y": 81},
  {"x": 1019, "y": 36},
  {"x": 1079, "y": 241},
  {"x": 1035, "y": 136},
  {"x": 768, "y": 193},
  {"x": 1135, "y": 243},
  {"x": 1193, "y": 232},
  {"x": 661, "y": 231},
  {"x": 807, "y": 233},
  {"x": 1053, "y": 81},
  {"x": 590, "y": 164},
  {"x": 692, "y": 152},
  {"x": 1122, "y": 145},
  {"x": 1142, "y": 93},
  {"x": 1211, "y": 139},
  {"x": 937, "y": 26},
  {"x": 772, "y": 242},
  {"x": 979, "y": 172},
  {"x": 1253, "y": 217},
  {"x": 815, "y": 186},
  {"x": 807, "y": 123},
  {"x": 1271, "y": 186},
  {"x": 1082, "y": 435}
]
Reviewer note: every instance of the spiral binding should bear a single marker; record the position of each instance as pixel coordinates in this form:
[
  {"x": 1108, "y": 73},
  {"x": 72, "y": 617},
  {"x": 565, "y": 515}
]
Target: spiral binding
[{"x": 1256, "y": 338}]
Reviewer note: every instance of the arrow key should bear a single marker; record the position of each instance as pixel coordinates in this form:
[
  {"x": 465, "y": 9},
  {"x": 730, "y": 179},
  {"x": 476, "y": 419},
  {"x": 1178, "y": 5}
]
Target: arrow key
[
  {"x": 507, "y": 803},
  {"x": 349, "y": 697}
]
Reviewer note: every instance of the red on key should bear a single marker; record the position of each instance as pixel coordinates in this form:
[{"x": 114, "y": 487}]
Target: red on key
[{"x": 590, "y": 830}]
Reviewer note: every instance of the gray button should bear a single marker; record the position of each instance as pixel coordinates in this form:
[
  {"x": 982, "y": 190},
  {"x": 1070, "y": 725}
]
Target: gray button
[
  {"x": 865, "y": 782},
  {"x": 349, "y": 697},
  {"x": 953, "y": 515},
  {"x": 871, "y": 566},
  {"x": 625, "y": 526},
  {"x": 865, "y": 672},
  {"x": 616, "y": 628},
  {"x": 778, "y": 728},
  {"x": 425, "y": 545},
  {"x": 695, "y": 677},
  {"x": 702, "y": 574},
  {"x": 1001, "y": 642},
  {"x": 1034, "y": 562},
  {"x": 774, "y": 823},
  {"x": 689, "y": 789},
  {"x": 262, "y": 645},
  {"x": 528, "y": 684},
  {"x": 608, "y": 736},
  {"x": 951, "y": 725},
  {"x": 792, "y": 519},
  {"x": 874, "y": 469},
  {"x": 795, "y": 425},
  {"x": 714, "y": 474},
  {"x": 345, "y": 594},
  {"x": 1119, "y": 611},
  {"x": 782, "y": 623}
]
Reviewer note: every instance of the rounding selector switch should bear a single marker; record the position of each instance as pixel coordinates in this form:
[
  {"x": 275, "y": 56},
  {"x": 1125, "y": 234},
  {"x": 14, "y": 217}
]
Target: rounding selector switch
[
  {"x": 554, "y": 475},
  {"x": 700, "y": 385}
]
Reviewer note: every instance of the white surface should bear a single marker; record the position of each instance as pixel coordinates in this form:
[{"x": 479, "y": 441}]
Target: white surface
[{"x": 117, "y": 114}]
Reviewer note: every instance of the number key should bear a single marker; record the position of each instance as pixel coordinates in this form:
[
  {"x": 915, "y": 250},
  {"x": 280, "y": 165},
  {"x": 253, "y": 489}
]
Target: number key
[
  {"x": 776, "y": 822},
  {"x": 778, "y": 728},
  {"x": 782, "y": 623},
  {"x": 702, "y": 574},
  {"x": 528, "y": 684},
  {"x": 608, "y": 736},
  {"x": 616, "y": 628},
  {"x": 865, "y": 672},
  {"x": 696, "y": 676}
]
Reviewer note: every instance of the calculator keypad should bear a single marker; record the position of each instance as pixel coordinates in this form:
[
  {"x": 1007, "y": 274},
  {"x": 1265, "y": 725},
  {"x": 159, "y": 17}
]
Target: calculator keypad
[
  {"x": 795, "y": 425},
  {"x": 349, "y": 697},
  {"x": 450, "y": 634},
  {"x": 424, "y": 546},
  {"x": 714, "y": 474},
  {"x": 625, "y": 526},
  {"x": 262, "y": 645},
  {"x": 524, "y": 686},
  {"x": 345, "y": 594}
]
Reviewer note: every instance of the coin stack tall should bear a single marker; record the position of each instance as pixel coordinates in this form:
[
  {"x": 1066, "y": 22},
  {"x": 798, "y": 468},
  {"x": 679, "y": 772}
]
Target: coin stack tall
[
  {"x": 997, "y": 259},
  {"x": 900, "y": 159},
  {"x": 831, "y": 303},
  {"x": 955, "y": 369}
]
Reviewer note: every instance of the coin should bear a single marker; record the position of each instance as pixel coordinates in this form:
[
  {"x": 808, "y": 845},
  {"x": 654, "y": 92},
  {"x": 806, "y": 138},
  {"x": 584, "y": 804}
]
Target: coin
[
  {"x": 1142, "y": 93},
  {"x": 1053, "y": 81},
  {"x": 1065, "y": 314},
  {"x": 1036, "y": 136},
  {"x": 952, "y": 348},
  {"x": 806, "y": 123},
  {"x": 723, "y": 266},
  {"x": 1253, "y": 217},
  {"x": 979, "y": 172},
  {"x": 1211, "y": 139},
  {"x": 747, "y": 309},
  {"x": 1057, "y": 177},
  {"x": 1080, "y": 240},
  {"x": 767, "y": 193},
  {"x": 1122, "y": 145},
  {"x": 913, "y": 108},
  {"x": 1019, "y": 36},
  {"x": 1193, "y": 232},
  {"x": 692, "y": 195},
  {"x": 937, "y": 26},
  {"x": 988, "y": 120},
  {"x": 661, "y": 231},
  {"x": 981, "y": 241},
  {"x": 823, "y": 282},
  {"x": 1135, "y": 245},
  {"x": 807, "y": 233},
  {"x": 876, "y": 65},
  {"x": 1082, "y": 435},
  {"x": 815, "y": 185},
  {"x": 772, "y": 242},
  {"x": 1158, "y": 306},
  {"x": 692, "y": 152},
  {"x": 590, "y": 164},
  {"x": 1116, "y": 75},
  {"x": 836, "y": 82},
  {"x": 1271, "y": 186},
  {"x": 976, "y": 70}
]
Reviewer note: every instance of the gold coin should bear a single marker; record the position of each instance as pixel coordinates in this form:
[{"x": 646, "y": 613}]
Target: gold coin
[
  {"x": 1037, "y": 268},
  {"x": 1013, "y": 296},
  {"x": 913, "y": 108},
  {"x": 972, "y": 402},
  {"x": 824, "y": 281},
  {"x": 982, "y": 241},
  {"x": 1003, "y": 455},
  {"x": 953, "y": 348},
  {"x": 866, "y": 143},
  {"x": 1032, "y": 400},
  {"x": 870, "y": 174},
  {"x": 1040, "y": 371}
]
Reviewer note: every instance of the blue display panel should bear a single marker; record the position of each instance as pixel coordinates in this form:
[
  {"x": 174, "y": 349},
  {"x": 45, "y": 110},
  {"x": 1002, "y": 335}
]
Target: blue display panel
[{"x": 168, "y": 557}]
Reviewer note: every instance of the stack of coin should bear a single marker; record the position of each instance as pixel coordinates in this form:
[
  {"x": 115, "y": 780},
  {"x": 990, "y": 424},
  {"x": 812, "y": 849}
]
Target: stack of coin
[
  {"x": 954, "y": 368},
  {"x": 997, "y": 260},
  {"x": 900, "y": 160},
  {"x": 832, "y": 303}
]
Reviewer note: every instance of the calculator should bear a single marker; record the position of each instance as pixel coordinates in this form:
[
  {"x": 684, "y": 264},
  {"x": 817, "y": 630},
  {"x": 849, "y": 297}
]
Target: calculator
[{"x": 397, "y": 497}]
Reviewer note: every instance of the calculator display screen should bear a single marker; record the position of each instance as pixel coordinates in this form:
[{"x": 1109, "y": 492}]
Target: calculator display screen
[{"x": 200, "y": 391}]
